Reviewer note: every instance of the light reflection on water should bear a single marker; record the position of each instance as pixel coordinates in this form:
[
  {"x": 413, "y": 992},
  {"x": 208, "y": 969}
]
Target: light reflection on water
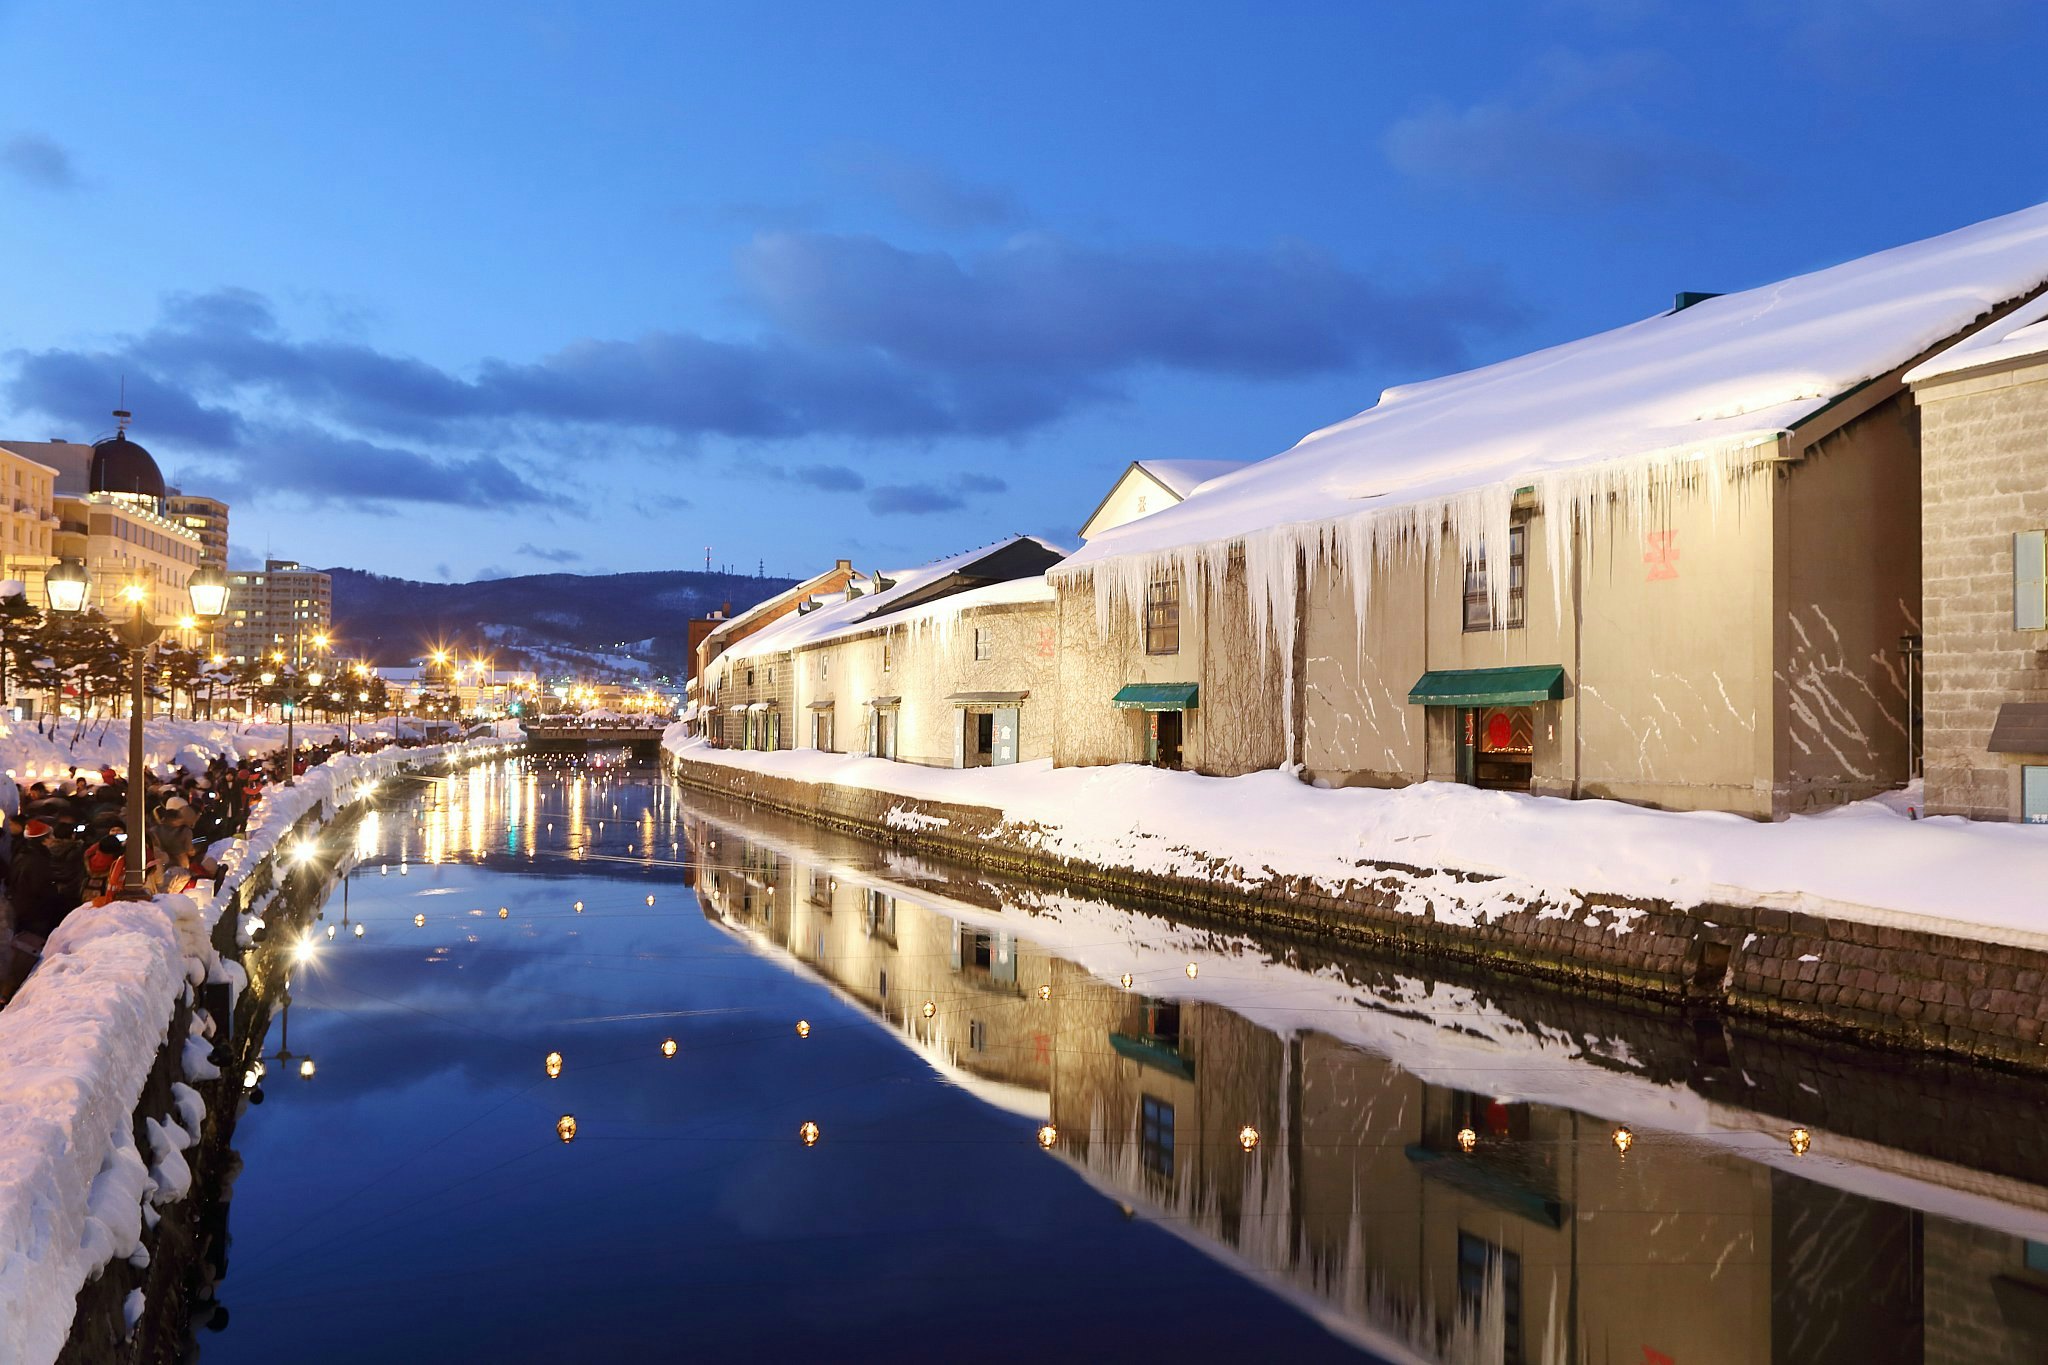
[{"x": 1434, "y": 1174}]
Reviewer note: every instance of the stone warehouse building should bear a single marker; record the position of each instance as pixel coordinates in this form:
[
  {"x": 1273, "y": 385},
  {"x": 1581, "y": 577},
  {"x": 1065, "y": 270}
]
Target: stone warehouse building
[
  {"x": 946, "y": 665},
  {"x": 1984, "y": 480},
  {"x": 1676, "y": 564}
]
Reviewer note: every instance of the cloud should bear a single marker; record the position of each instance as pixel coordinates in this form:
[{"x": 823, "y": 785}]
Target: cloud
[
  {"x": 1042, "y": 322},
  {"x": 1569, "y": 132},
  {"x": 38, "y": 161},
  {"x": 925, "y": 194},
  {"x": 856, "y": 338},
  {"x": 923, "y": 499},
  {"x": 554, "y": 556}
]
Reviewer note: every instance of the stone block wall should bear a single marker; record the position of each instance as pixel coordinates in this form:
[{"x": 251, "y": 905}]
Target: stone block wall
[{"x": 1984, "y": 476}]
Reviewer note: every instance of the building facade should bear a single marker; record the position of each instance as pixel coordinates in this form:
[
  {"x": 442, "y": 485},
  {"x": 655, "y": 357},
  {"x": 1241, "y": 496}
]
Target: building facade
[
  {"x": 1984, "y": 479},
  {"x": 280, "y": 609},
  {"x": 124, "y": 542},
  {"x": 28, "y": 521},
  {"x": 206, "y": 517}
]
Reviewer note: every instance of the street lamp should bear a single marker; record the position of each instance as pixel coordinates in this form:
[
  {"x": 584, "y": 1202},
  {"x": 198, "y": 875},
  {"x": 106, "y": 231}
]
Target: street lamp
[{"x": 67, "y": 585}]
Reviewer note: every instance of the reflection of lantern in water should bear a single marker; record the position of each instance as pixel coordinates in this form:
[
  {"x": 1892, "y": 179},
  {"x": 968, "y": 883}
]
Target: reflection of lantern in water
[
  {"x": 1801, "y": 1140},
  {"x": 803, "y": 1028},
  {"x": 579, "y": 907},
  {"x": 1047, "y": 1135},
  {"x": 250, "y": 1078},
  {"x": 359, "y": 931},
  {"x": 1125, "y": 979},
  {"x": 503, "y": 913},
  {"x": 668, "y": 1047},
  {"x": 809, "y": 1133},
  {"x": 650, "y": 899},
  {"x": 1467, "y": 1139},
  {"x": 930, "y": 1009},
  {"x": 419, "y": 921},
  {"x": 1045, "y": 992},
  {"x": 553, "y": 1065},
  {"x": 330, "y": 933},
  {"x": 306, "y": 1069},
  {"x": 1247, "y": 1137},
  {"x": 565, "y": 1127},
  {"x": 1623, "y": 1139},
  {"x": 1193, "y": 971}
]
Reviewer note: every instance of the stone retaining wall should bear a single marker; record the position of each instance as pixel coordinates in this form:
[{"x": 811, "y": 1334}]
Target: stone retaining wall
[{"x": 1904, "y": 988}]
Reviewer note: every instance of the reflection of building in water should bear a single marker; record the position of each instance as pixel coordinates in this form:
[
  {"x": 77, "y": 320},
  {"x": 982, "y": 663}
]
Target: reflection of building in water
[{"x": 1541, "y": 1243}]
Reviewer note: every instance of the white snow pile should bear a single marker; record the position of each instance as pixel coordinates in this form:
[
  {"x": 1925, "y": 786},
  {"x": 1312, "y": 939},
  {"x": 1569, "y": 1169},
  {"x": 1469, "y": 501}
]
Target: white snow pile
[
  {"x": 2021, "y": 334},
  {"x": 1595, "y": 426},
  {"x": 1866, "y": 861},
  {"x": 80, "y": 1039},
  {"x": 28, "y": 754}
]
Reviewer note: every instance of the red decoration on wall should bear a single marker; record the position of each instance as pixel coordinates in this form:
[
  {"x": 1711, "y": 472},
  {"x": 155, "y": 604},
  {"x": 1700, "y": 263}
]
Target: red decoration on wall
[
  {"x": 1660, "y": 552},
  {"x": 1651, "y": 1357},
  {"x": 1500, "y": 733},
  {"x": 1048, "y": 643}
]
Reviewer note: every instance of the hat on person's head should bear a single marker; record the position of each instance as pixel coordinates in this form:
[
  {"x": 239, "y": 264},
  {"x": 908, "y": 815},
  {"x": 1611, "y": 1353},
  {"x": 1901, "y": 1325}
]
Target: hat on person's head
[
  {"x": 36, "y": 829},
  {"x": 177, "y": 803},
  {"x": 107, "y": 774}
]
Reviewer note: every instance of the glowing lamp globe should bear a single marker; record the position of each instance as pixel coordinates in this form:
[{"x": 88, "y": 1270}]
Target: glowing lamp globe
[
  {"x": 553, "y": 1065},
  {"x": 1623, "y": 1139},
  {"x": 1125, "y": 980},
  {"x": 1193, "y": 971},
  {"x": 565, "y": 1127},
  {"x": 1248, "y": 1137},
  {"x": 208, "y": 589},
  {"x": 1045, "y": 992},
  {"x": 1801, "y": 1140},
  {"x": 1467, "y": 1139},
  {"x": 1047, "y": 1135},
  {"x": 803, "y": 1028},
  {"x": 668, "y": 1047},
  {"x": 66, "y": 585},
  {"x": 419, "y": 921},
  {"x": 503, "y": 913},
  {"x": 808, "y": 1133},
  {"x": 306, "y": 1069},
  {"x": 930, "y": 1009},
  {"x": 359, "y": 931}
]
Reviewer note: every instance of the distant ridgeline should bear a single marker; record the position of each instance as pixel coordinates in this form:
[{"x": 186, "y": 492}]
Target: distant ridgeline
[{"x": 548, "y": 621}]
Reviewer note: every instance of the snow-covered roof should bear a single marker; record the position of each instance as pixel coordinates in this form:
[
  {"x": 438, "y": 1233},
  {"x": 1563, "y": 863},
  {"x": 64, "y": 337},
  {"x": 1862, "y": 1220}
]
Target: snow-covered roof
[
  {"x": 1730, "y": 372},
  {"x": 847, "y": 615},
  {"x": 2021, "y": 334},
  {"x": 1182, "y": 477}
]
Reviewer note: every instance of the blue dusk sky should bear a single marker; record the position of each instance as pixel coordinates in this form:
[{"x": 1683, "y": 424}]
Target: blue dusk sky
[{"x": 452, "y": 291}]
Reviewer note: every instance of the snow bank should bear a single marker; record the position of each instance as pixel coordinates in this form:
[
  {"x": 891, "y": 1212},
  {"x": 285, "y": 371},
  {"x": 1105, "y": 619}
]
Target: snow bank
[
  {"x": 1865, "y": 861},
  {"x": 28, "y": 755},
  {"x": 80, "y": 1039}
]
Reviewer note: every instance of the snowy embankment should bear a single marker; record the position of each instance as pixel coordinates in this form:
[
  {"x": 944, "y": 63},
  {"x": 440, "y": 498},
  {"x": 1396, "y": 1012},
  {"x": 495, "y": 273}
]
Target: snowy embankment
[
  {"x": 1866, "y": 861},
  {"x": 79, "y": 1041},
  {"x": 30, "y": 752}
]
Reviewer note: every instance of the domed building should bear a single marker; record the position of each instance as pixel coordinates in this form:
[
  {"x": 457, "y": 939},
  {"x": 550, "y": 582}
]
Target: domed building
[{"x": 122, "y": 467}]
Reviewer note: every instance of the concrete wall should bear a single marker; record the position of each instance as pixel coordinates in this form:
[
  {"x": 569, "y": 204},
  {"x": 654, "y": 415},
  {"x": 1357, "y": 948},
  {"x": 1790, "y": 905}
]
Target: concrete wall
[
  {"x": 930, "y": 661},
  {"x": 1662, "y": 631},
  {"x": 1984, "y": 476},
  {"x": 1848, "y": 586},
  {"x": 1237, "y": 725}
]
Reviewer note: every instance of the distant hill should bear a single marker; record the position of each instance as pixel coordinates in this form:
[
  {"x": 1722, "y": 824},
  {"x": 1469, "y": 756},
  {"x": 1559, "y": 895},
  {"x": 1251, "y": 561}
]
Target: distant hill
[{"x": 621, "y": 622}]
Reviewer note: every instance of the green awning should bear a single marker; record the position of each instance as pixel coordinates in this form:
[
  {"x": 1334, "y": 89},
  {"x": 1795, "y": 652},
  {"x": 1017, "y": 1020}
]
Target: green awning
[
  {"x": 1488, "y": 686},
  {"x": 1158, "y": 1056},
  {"x": 1156, "y": 696}
]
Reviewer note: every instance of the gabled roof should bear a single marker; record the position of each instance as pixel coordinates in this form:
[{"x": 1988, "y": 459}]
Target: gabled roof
[
  {"x": 1726, "y": 373},
  {"x": 1182, "y": 477},
  {"x": 2020, "y": 335},
  {"x": 1019, "y": 557}
]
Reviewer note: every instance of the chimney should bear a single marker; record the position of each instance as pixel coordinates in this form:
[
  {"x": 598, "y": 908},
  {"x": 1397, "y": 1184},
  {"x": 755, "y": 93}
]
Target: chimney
[{"x": 1686, "y": 298}]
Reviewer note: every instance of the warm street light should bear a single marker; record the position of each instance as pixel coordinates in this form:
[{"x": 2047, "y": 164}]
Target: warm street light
[{"x": 67, "y": 585}]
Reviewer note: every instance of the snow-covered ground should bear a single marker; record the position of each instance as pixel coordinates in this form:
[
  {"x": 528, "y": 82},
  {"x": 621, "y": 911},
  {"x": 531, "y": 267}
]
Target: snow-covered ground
[
  {"x": 80, "y": 1039},
  {"x": 30, "y": 752},
  {"x": 1868, "y": 861}
]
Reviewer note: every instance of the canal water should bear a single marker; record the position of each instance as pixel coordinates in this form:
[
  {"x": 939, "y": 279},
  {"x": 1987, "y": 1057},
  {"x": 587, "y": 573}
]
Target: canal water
[{"x": 915, "y": 1112}]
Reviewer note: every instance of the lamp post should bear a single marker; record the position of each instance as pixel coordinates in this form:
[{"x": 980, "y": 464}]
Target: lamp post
[{"x": 67, "y": 585}]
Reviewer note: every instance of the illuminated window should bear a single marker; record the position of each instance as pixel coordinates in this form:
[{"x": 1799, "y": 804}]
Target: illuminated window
[{"x": 1162, "y": 617}]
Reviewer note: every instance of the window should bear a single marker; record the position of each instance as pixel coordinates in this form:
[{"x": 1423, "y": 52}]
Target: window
[
  {"x": 750, "y": 677},
  {"x": 984, "y": 648},
  {"x": 2030, "y": 580},
  {"x": 888, "y": 657},
  {"x": 2034, "y": 795},
  {"x": 825, "y": 668},
  {"x": 1162, "y": 1023},
  {"x": 1155, "y": 1135},
  {"x": 1162, "y": 617},
  {"x": 1478, "y": 601},
  {"x": 977, "y": 1035},
  {"x": 1478, "y": 1261}
]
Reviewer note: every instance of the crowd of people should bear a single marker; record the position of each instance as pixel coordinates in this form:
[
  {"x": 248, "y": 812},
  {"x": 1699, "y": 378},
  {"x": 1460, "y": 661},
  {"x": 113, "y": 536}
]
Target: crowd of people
[{"x": 65, "y": 841}]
